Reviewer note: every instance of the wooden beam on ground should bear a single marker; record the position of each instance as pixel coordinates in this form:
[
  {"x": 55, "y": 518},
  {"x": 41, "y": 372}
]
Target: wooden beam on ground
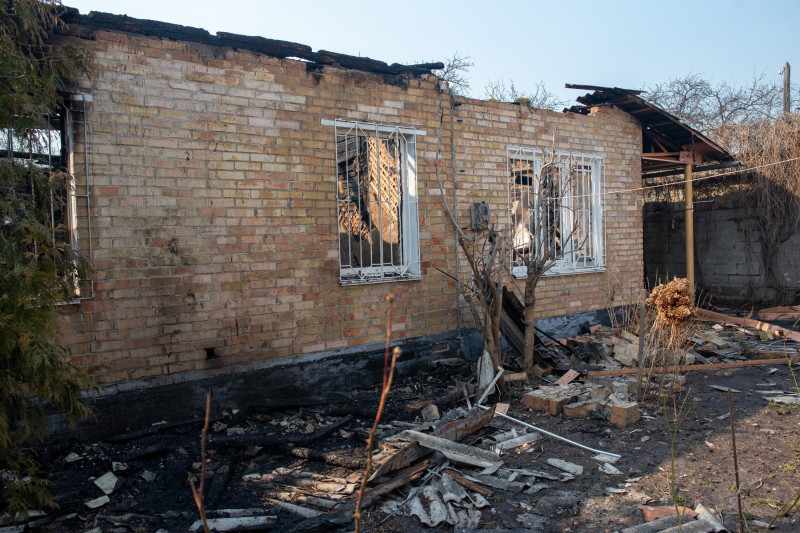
[
  {"x": 687, "y": 368},
  {"x": 711, "y": 316},
  {"x": 455, "y": 431}
]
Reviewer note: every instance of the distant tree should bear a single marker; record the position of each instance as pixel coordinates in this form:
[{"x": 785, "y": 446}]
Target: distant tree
[
  {"x": 456, "y": 73},
  {"x": 706, "y": 106},
  {"x": 540, "y": 98},
  {"x": 38, "y": 267}
]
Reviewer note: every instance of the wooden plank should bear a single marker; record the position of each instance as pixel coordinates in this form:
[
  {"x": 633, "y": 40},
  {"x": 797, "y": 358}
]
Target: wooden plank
[
  {"x": 711, "y": 316},
  {"x": 455, "y": 431},
  {"x": 687, "y": 368},
  {"x": 569, "y": 376},
  {"x": 510, "y": 331}
]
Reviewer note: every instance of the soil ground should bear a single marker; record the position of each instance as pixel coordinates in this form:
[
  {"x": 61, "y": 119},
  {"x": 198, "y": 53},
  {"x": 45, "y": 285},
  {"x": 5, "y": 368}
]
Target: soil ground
[{"x": 153, "y": 492}]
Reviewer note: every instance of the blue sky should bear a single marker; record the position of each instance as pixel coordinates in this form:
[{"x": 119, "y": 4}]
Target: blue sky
[{"x": 630, "y": 44}]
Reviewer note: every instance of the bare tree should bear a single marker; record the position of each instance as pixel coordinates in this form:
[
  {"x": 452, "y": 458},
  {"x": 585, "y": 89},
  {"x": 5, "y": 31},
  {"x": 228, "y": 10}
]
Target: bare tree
[
  {"x": 707, "y": 106},
  {"x": 540, "y": 97},
  {"x": 456, "y": 73},
  {"x": 541, "y": 233}
]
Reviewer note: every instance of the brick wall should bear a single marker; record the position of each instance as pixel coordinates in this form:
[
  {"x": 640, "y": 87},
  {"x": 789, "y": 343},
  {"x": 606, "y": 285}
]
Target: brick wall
[
  {"x": 213, "y": 206},
  {"x": 485, "y": 129}
]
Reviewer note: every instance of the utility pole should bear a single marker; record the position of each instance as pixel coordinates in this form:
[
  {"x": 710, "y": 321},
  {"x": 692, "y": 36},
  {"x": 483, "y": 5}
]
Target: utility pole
[{"x": 787, "y": 91}]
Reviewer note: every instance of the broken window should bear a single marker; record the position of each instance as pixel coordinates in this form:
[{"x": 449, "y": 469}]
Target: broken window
[
  {"x": 376, "y": 181},
  {"x": 555, "y": 210},
  {"x": 46, "y": 149}
]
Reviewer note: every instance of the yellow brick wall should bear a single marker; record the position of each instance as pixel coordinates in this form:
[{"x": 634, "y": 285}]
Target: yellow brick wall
[{"x": 213, "y": 205}]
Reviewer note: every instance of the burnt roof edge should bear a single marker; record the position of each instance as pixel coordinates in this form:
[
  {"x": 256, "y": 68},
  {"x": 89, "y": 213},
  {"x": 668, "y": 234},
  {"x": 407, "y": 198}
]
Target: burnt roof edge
[
  {"x": 607, "y": 96},
  {"x": 261, "y": 45}
]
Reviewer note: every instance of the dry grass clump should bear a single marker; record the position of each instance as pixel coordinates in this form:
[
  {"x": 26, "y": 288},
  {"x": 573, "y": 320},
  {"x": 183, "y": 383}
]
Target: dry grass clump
[{"x": 673, "y": 301}]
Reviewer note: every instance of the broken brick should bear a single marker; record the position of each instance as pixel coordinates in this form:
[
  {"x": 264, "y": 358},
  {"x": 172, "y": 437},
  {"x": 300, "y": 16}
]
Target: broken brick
[
  {"x": 625, "y": 413},
  {"x": 551, "y": 399},
  {"x": 580, "y": 409}
]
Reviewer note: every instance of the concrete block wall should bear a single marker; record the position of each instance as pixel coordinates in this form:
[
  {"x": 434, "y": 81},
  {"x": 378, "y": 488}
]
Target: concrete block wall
[
  {"x": 213, "y": 207},
  {"x": 728, "y": 251}
]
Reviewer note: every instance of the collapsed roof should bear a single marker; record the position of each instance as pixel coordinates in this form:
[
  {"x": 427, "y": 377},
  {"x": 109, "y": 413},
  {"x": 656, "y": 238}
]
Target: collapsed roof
[
  {"x": 270, "y": 47},
  {"x": 668, "y": 144}
]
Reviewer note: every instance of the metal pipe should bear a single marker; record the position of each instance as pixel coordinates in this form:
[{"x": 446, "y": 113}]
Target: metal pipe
[
  {"x": 558, "y": 437},
  {"x": 689, "y": 226}
]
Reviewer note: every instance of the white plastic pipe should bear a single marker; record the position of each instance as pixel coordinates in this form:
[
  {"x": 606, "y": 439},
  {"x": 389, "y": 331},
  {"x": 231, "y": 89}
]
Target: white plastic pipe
[{"x": 550, "y": 434}]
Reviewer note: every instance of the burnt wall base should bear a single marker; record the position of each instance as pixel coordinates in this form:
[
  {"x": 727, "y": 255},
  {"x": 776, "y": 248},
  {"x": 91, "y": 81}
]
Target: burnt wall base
[{"x": 180, "y": 397}]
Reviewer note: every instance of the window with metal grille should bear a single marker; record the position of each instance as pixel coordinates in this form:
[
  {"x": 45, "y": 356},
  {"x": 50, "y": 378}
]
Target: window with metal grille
[
  {"x": 555, "y": 210},
  {"x": 376, "y": 178},
  {"x": 47, "y": 148}
]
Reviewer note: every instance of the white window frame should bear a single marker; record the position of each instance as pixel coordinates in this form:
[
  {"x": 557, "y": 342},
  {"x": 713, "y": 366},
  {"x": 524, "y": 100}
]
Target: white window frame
[
  {"x": 404, "y": 264},
  {"x": 587, "y": 204}
]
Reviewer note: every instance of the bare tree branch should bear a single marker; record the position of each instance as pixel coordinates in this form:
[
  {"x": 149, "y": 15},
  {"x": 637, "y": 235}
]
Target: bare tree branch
[
  {"x": 540, "y": 97},
  {"x": 456, "y": 73}
]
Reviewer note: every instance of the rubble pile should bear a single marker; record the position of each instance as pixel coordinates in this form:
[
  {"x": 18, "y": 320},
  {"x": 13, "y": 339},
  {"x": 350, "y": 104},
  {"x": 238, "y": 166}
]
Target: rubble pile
[{"x": 448, "y": 454}]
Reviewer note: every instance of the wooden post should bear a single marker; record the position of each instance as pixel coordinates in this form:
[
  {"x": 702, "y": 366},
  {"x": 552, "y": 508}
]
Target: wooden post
[
  {"x": 787, "y": 87},
  {"x": 689, "y": 220}
]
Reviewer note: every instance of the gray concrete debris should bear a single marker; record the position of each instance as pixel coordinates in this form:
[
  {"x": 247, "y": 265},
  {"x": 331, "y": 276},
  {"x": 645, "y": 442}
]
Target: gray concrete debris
[
  {"x": 97, "y": 502},
  {"x": 537, "y": 487},
  {"x": 467, "y": 518},
  {"x": 148, "y": 475},
  {"x": 428, "y": 507},
  {"x": 107, "y": 482},
  {"x": 609, "y": 469},
  {"x": 566, "y": 466},
  {"x": 512, "y": 443},
  {"x": 451, "y": 491}
]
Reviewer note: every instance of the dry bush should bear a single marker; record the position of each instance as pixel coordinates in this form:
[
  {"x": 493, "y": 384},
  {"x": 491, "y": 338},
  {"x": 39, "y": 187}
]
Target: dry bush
[
  {"x": 673, "y": 301},
  {"x": 668, "y": 330}
]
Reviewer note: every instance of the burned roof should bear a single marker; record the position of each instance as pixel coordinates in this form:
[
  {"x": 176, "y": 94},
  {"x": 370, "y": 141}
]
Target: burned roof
[
  {"x": 667, "y": 143},
  {"x": 270, "y": 47}
]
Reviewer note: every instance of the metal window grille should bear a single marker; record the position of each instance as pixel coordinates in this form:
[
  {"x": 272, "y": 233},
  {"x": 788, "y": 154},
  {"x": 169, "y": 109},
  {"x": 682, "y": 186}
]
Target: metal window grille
[
  {"x": 562, "y": 194},
  {"x": 50, "y": 149},
  {"x": 376, "y": 203}
]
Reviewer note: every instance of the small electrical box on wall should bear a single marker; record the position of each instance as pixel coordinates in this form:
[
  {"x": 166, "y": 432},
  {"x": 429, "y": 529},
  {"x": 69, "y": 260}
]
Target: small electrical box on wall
[{"x": 480, "y": 216}]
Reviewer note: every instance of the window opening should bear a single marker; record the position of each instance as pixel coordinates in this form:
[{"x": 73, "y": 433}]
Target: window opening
[
  {"x": 376, "y": 202},
  {"x": 555, "y": 210}
]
